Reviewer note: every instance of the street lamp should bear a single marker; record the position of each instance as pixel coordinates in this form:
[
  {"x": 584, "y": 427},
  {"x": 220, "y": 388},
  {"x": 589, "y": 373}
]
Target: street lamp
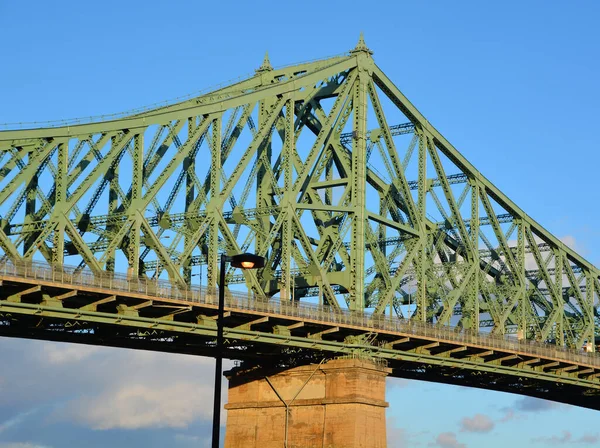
[{"x": 242, "y": 261}]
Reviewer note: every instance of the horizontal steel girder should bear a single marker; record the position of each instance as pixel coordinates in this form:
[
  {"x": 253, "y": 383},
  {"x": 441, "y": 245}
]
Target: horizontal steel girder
[{"x": 156, "y": 316}]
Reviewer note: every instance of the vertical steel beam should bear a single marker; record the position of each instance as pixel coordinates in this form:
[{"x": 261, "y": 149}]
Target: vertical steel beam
[
  {"x": 523, "y": 303},
  {"x": 358, "y": 182},
  {"x": 381, "y": 236},
  {"x": 263, "y": 190},
  {"x": 214, "y": 213},
  {"x": 135, "y": 213},
  {"x": 421, "y": 258},
  {"x": 559, "y": 303},
  {"x": 589, "y": 303},
  {"x": 58, "y": 243},
  {"x": 30, "y": 204},
  {"x": 288, "y": 199},
  {"x": 189, "y": 165},
  {"x": 382, "y": 230},
  {"x": 474, "y": 229},
  {"x": 329, "y": 176},
  {"x": 113, "y": 204},
  {"x": 30, "y": 207}
]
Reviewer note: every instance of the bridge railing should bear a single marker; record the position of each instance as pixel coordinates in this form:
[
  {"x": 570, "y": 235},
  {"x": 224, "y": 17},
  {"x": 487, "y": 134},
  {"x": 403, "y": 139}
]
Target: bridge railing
[{"x": 247, "y": 301}]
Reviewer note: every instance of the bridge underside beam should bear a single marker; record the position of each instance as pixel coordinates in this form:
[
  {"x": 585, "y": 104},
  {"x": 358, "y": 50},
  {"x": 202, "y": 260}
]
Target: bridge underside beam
[
  {"x": 252, "y": 328},
  {"x": 202, "y": 344}
]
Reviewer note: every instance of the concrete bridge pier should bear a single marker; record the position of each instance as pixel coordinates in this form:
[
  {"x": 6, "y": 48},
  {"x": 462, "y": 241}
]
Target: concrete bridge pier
[{"x": 337, "y": 404}]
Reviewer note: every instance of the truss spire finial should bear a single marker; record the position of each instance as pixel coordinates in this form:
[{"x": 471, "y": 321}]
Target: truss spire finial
[
  {"x": 361, "y": 46},
  {"x": 266, "y": 65}
]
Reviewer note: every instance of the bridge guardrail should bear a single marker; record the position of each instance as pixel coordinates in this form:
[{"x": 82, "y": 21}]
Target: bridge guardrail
[{"x": 198, "y": 294}]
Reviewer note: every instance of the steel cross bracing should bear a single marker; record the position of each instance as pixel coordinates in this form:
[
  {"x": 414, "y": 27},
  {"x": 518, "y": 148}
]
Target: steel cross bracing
[{"x": 327, "y": 170}]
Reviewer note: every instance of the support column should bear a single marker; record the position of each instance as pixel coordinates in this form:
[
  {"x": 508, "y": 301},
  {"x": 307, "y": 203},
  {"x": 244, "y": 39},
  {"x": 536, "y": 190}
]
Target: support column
[
  {"x": 214, "y": 213},
  {"x": 30, "y": 209},
  {"x": 288, "y": 203},
  {"x": 339, "y": 404},
  {"x": 189, "y": 165},
  {"x": 421, "y": 257},
  {"x": 60, "y": 197},
  {"x": 359, "y": 182},
  {"x": 473, "y": 306},
  {"x": 135, "y": 213}
]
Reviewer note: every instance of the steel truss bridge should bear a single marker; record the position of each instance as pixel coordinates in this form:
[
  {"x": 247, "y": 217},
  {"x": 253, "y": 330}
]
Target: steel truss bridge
[{"x": 381, "y": 239}]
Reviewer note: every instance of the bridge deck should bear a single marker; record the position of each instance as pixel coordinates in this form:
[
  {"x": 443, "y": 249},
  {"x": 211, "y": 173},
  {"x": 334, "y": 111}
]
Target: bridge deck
[{"x": 37, "y": 301}]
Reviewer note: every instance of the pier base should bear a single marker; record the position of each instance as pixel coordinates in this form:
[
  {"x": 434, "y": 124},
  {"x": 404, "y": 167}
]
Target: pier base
[{"x": 338, "y": 404}]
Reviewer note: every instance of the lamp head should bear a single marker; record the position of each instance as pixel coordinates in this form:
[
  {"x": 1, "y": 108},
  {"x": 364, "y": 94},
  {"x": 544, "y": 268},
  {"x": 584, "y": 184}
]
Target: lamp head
[{"x": 247, "y": 261}]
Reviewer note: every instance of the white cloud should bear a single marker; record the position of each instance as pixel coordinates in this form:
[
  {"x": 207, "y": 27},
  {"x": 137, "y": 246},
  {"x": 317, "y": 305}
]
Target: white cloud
[
  {"x": 15, "y": 421},
  {"x": 508, "y": 416},
  {"x": 192, "y": 441},
  {"x": 60, "y": 353},
  {"x": 531, "y": 264},
  {"x": 102, "y": 387},
  {"x": 526, "y": 406},
  {"x": 22, "y": 445},
  {"x": 447, "y": 440},
  {"x": 589, "y": 438},
  {"x": 477, "y": 423},
  {"x": 187, "y": 438},
  {"x": 567, "y": 439},
  {"x": 396, "y": 437},
  {"x": 530, "y": 404},
  {"x": 571, "y": 242},
  {"x": 398, "y": 382},
  {"x": 141, "y": 389},
  {"x": 134, "y": 406}
]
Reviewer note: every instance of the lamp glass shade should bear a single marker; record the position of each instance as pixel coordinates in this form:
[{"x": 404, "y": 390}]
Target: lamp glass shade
[{"x": 247, "y": 261}]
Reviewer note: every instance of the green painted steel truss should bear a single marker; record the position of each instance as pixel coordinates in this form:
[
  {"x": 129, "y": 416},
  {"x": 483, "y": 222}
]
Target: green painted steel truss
[{"x": 324, "y": 168}]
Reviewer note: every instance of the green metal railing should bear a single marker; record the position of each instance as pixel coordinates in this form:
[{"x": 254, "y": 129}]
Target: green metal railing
[{"x": 119, "y": 283}]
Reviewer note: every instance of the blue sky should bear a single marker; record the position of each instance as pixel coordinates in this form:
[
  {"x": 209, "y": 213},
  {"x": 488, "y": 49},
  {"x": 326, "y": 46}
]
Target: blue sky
[{"x": 513, "y": 85}]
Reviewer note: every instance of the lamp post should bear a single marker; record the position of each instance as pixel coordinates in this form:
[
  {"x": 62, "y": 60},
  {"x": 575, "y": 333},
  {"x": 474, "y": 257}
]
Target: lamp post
[{"x": 242, "y": 261}]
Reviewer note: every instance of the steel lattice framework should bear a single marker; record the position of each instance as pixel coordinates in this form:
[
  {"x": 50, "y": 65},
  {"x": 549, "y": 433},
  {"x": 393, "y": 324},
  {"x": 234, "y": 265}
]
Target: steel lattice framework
[{"x": 327, "y": 170}]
